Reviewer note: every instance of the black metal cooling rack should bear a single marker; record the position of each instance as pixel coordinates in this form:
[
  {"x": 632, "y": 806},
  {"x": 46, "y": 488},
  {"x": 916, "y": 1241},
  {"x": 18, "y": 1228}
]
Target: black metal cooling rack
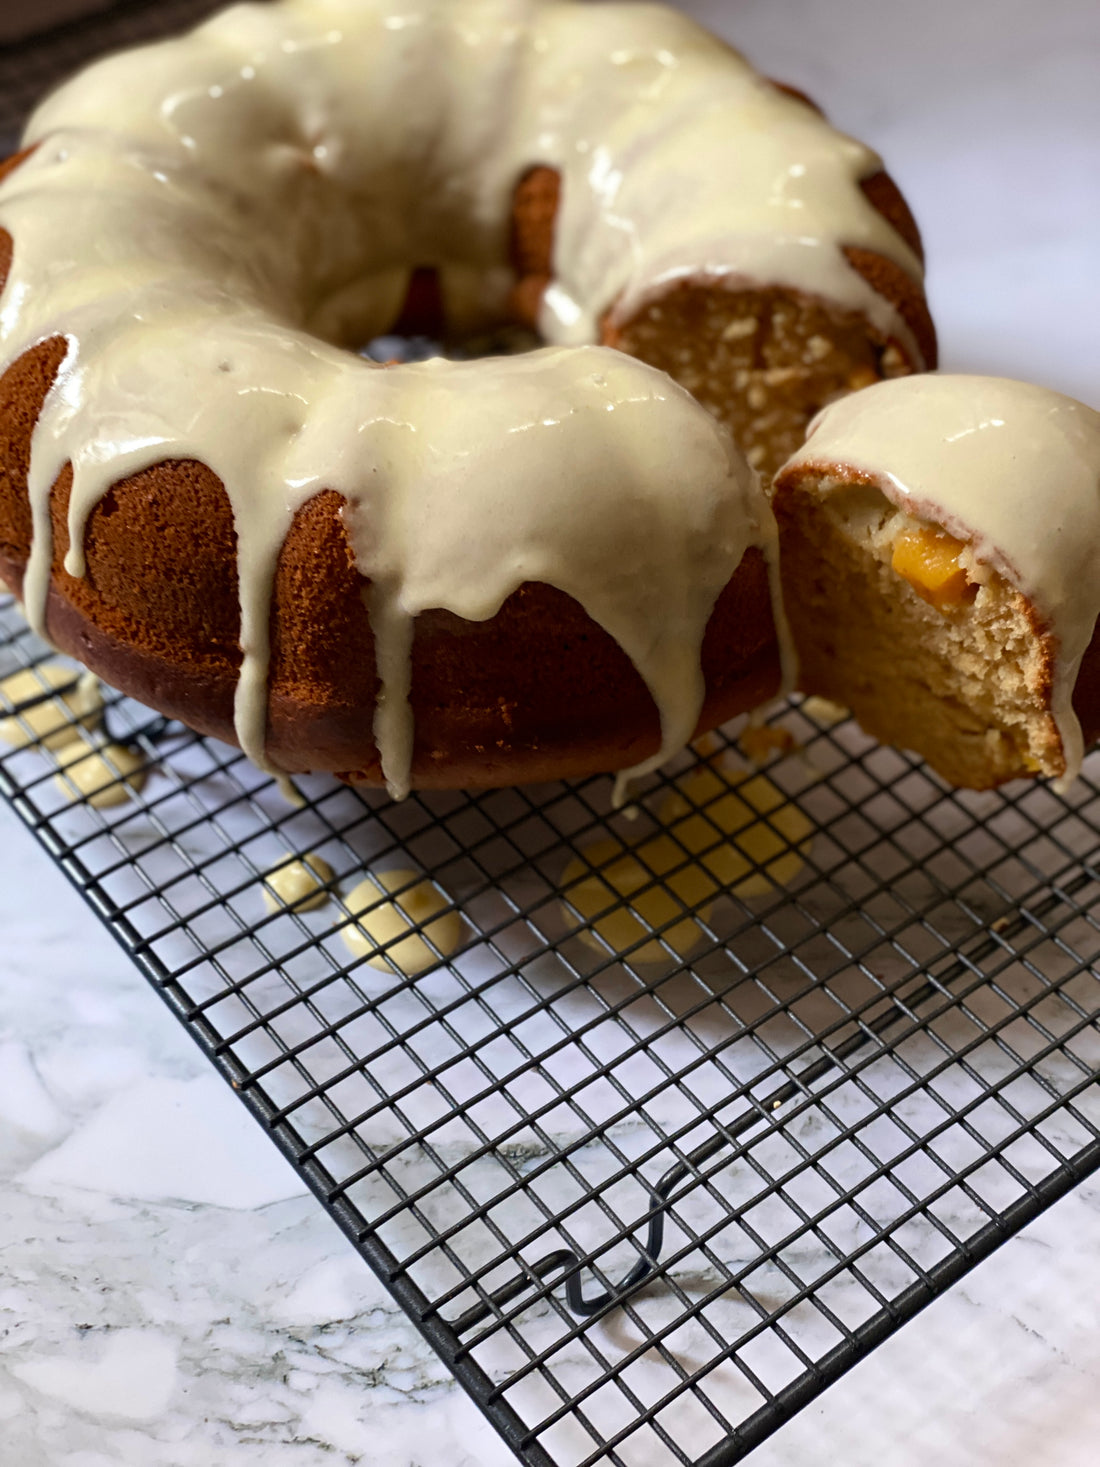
[{"x": 643, "y": 1210}]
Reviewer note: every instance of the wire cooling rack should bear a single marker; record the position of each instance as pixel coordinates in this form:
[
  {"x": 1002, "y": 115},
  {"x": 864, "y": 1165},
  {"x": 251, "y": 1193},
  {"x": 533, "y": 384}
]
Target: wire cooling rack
[{"x": 643, "y": 1210}]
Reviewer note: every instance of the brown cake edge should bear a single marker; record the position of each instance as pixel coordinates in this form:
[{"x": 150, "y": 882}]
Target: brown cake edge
[{"x": 457, "y": 746}]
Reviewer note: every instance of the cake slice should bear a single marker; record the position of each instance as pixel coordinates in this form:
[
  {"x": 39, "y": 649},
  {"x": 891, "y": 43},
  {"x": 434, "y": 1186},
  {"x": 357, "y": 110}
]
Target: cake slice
[{"x": 941, "y": 568}]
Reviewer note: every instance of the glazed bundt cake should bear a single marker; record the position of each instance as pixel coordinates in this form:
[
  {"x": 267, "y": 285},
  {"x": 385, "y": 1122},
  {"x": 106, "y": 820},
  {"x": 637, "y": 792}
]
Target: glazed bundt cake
[
  {"x": 446, "y": 573},
  {"x": 939, "y": 545}
]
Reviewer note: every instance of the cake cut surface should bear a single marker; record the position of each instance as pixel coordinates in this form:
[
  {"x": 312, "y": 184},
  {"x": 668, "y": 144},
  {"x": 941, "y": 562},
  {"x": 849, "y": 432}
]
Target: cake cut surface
[{"x": 939, "y": 544}]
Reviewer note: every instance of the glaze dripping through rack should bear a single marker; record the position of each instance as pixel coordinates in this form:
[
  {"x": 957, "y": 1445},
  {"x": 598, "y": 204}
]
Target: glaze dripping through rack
[{"x": 643, "y": 1210}]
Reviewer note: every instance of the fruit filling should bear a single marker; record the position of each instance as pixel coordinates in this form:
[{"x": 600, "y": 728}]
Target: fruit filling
[{"x": 930, "y": 560}]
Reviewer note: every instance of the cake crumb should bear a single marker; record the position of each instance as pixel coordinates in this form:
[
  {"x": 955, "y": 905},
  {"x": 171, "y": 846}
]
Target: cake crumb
[
  {"x": 862, "y": 377},
  {"x": 824, "y": 710},
  {"x": 818, "y": 348},
  {"x": 762, "y": 743},
  {"x": 707, "y": 745}
]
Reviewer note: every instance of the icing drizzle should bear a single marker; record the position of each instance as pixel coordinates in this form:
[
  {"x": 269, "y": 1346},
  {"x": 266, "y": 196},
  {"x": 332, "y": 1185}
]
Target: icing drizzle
[{"x": 211, "y": 220}]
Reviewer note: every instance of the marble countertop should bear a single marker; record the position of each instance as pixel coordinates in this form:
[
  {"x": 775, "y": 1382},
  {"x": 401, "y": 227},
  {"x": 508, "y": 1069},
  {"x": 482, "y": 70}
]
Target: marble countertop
[{"x": 170, "y": 1297}]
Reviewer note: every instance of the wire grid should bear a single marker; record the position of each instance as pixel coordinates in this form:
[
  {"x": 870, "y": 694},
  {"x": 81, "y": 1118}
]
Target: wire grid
[{"x": 643, "y": 1210}]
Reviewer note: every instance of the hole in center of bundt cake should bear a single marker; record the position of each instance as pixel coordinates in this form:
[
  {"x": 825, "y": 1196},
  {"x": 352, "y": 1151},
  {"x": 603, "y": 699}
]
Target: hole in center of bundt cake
[
  {"x": 502, "y": 341},
  {"x": 423, "y": 327},
  {"x": 422, "y": 330}
]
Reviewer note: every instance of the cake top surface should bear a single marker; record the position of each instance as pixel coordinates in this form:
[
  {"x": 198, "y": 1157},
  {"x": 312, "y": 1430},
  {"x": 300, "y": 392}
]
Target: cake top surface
[{"x": 406, "y": 126}]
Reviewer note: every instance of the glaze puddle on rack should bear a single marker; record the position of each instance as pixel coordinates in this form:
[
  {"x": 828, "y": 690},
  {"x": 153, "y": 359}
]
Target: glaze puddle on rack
[{"x": 644, "y": 1210}]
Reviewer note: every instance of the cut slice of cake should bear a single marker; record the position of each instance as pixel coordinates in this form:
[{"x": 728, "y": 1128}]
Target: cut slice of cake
[{"x": 941, "y": 567}]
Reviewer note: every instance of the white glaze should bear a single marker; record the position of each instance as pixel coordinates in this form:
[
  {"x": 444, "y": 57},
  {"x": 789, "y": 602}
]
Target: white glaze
[
  {"x": 102, "y": 775},
  {"x": 726, "y": 832},
  {"x": 623, "y": 895},
  {"x": 51, "y": 722},
  {"x": 767, "y": 834},
  {"x": 1011, "y": 468},
  {"x": 298, "y": 883},
  {"x": 199, "y": 214},
  {"x": 678, "y": 159},
  {"x": 380, "y": 923}
]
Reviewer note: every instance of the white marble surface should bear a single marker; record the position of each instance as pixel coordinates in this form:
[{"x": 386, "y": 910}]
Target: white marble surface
[{"x": 168, "y": 1295}]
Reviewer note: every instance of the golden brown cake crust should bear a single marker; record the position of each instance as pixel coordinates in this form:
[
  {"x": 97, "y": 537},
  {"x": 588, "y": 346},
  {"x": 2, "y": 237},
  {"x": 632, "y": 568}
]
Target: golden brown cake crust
[
  {"x": 498, "y": 702},
  {"x": 523, "y": 732}
]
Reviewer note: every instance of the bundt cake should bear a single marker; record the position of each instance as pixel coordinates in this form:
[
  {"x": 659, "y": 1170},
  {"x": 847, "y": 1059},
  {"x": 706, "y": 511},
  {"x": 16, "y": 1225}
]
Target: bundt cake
[
  {"x": 939, "y": 551},
  {"x": 445, "y": 573}
]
